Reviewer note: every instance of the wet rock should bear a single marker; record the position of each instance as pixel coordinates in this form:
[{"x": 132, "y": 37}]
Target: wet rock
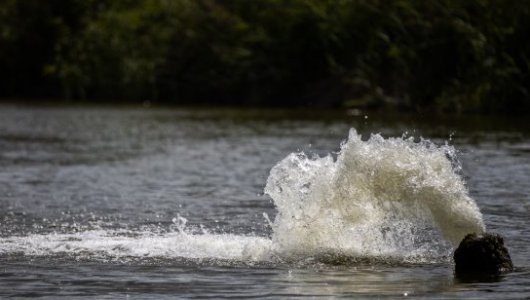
[{"x": 482, "y": 254}]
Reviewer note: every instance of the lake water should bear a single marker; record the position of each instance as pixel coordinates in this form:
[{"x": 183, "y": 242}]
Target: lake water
[{"x": 120, "y": 202}]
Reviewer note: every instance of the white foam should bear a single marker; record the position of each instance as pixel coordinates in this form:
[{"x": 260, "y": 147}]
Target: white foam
[
  {"x": 380, "y": 197},
  {"x": 141, "y": 244}
]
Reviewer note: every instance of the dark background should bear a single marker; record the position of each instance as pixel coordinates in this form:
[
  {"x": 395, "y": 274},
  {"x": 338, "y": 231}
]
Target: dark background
[{"x": 444, "y": 55}]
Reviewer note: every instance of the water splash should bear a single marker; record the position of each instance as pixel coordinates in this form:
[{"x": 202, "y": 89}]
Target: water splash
[
  {"x": 124, "y": 243},
  {"x": 379, "y": 198},
  {"x": 382, "y": 198}
]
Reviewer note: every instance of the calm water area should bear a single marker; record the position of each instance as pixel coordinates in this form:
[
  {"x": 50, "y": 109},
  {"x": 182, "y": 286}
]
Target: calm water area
[{"x": 164, "y": 203}]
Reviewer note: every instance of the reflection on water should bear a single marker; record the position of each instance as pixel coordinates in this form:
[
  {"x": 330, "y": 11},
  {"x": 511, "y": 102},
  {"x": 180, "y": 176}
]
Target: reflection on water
[
  {"x": 188, "y": 279},
  {"x": 369, "y": 280},
  {"x": 92, "y": 203}
]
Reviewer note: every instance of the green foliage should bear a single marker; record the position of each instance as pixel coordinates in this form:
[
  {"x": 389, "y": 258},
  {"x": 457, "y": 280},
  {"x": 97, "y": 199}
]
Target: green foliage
[{"x": 444, "y": 55}]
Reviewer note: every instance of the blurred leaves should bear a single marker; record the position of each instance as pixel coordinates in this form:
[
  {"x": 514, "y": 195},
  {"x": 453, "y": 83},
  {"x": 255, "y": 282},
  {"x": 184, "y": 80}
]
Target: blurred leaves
[{"x": 441, "y": 55}]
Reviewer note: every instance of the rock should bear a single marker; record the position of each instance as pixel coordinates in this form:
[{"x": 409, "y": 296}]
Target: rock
[{"x": 482, "y": 254}]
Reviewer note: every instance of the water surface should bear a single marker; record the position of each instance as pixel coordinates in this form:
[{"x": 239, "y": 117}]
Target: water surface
[{"x": 160, "y": 203}]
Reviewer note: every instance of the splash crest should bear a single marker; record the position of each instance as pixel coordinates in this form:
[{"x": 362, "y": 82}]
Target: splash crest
[{"x": 391, "y": 197}]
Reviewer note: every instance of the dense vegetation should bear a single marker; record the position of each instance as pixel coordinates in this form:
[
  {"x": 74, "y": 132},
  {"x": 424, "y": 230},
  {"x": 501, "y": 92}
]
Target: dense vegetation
[{"x": 443, "y": 55}]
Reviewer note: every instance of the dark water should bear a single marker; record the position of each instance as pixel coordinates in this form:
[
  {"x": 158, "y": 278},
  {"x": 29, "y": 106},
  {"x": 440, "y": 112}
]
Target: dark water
[{"x": 165, "y": 203}]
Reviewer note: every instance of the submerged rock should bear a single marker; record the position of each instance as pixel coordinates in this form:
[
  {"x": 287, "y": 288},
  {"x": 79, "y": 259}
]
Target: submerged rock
[{"x": 482, "y": 254}]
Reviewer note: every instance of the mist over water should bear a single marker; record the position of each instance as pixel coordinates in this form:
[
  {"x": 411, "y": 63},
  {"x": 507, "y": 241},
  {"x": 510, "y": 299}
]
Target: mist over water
[{"x": 379, "y": 199}]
